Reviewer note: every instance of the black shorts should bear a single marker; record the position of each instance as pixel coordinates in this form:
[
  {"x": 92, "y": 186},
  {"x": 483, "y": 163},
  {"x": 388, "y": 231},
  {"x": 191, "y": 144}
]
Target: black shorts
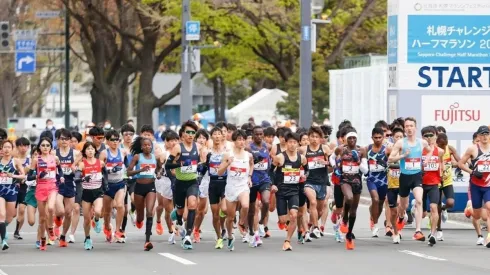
[
  {"x": 392, "y": 196},
  {"x": 338, "y": 196},
  {"x": 142, "y": 189},
  {"x": 356, "y": 187},
  {"x": 409, "y": 182},
  {"x": 431, "y": 192},
  {"x": 448, "y": 192},
  {"x": 21, "y": 197},
  {"x": 79, "y": 192},
  {"x": 286, "y": 203},
  {"x": 266, "y": 186},
  {"x": 216, "y": 191},
  {"x": 131, "y": 183},
  {"x": 302, "y": 199},
  {"x": 183, "y": 190},
  {"x": 67, "y": 190},
  {"x": 90, "y": 195},
  {"x": 114, "y": 188}
]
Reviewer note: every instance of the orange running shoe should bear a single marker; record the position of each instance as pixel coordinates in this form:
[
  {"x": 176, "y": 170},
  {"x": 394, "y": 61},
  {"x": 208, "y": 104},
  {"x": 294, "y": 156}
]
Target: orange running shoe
[
  {"x": 343, "y": 227},
  {"x": 58, "y": 221},
  {"x": 400, "y": 223},
  {"x": 287, "y": 246},
  {"x": 388, "y": 231},
  {"x": 197, "y": 236},
  {"x": 159, "y": 228},
  {"x": 419, "y": 236},
  {"x": 57, "y": 231},
  {"x": 139, "y": 225},
  {"x": 52, "y": 236},
  {"x": 349, "y": 241},
  {"x": 93, "y": 223},
  {"x": 63, "y": 243},
  {"x": 43, "y": 246},
  {"x": 281, "y": 226},
  {"x": 148, "y": 246}
]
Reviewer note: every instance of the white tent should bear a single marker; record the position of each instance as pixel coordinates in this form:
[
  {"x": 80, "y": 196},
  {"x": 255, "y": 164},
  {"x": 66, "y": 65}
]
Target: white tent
[{"x": 261, "y": 106}]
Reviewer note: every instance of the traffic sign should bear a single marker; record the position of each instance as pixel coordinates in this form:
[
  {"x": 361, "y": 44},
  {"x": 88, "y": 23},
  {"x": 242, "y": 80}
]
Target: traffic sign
[
  {"x": 25, "y": 62},
  {"x": 47, "y": 14},
  {"x": 53, "y": 90},
  {"x": 25, "y": 45},
  {"x": 25, "y": 34},
  {"x": 192, "y": 30}
]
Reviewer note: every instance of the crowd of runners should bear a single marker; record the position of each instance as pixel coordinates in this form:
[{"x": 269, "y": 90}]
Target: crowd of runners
[{"x": 243, "y": 175}]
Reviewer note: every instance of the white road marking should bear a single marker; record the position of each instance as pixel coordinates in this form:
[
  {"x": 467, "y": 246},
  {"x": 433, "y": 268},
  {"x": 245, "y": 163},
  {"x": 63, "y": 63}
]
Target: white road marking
[
  {"x": 176, "y": 258},
  {"x": 27, "y": 265},
  {"x": 2, "y": 272},
  {"x": 420, "y": 255}
]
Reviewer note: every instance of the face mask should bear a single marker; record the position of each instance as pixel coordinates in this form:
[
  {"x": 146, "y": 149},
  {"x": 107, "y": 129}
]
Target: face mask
[
  {"x": 50, "y": 127},
  {"x": 89, "y": 139},
  {"x": 209, "y": 129},
  {"x": 293, "y": 129},
  {"x": 107, "y": 126}
]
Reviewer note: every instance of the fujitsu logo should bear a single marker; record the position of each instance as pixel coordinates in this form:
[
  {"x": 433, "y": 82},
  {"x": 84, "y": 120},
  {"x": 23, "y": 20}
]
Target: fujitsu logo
[{"x": 454, "y": 114}]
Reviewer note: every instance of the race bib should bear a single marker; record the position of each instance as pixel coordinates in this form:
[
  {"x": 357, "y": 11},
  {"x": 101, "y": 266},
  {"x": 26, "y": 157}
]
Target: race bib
[
  {"x": 150, "y": 171},
  {"x": 50, "y": 173},
  {"x": 350, "y": 167},
  {"x": 4, "y": 180},
  {"x": 431, "y": 164},
  {"x": 66, "y": 168},
  {"x": 189, "y": 169},
  {"x": 412, "y": 163},
  {"x": 238, "y": 173},
  {"x": 213, "y": 169},
  {"x": 262, "y": 166},
  {"x": 315, "y": 162},
  {"x": 483, "y": 166},
  {"x": 96, "y": 176},
  {"x": 291, "y": 175},
  {"x": 374, "y": 166},
  {"x": 395, "y": 173}
]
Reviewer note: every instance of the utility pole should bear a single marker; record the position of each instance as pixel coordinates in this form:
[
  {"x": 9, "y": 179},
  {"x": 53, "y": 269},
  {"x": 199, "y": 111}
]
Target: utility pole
[
  {"x": 305, "y": 80},
  {"x": 186, "y": 101},
  {"x": 67, "y": 65}
]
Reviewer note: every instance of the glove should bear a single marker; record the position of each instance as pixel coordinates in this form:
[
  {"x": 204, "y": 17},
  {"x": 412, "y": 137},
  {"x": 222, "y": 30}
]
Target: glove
[
  {"x": 258, "y": 159},
  {"x": 458, "y": 173},
  {"x": 337, "y": 172},
  {"x": 42, "y": 174},
  {"x": 116, "y": 169},
  {"x": 87, "y": 178},
  {"x": 477, "y": 174},
  {"x": 201, "y": 169},
  {"x": 186, "y": 162},
  {"x": 208, "y": 157},
  {"x": 355, "y": 155}
]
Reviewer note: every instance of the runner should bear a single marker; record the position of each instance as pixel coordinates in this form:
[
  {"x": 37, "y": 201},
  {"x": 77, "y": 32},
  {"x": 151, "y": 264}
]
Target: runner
[
  {"x": 409, "y": 152},
  {"x": 30, "y": 200},
  {"x": 479, "y": 154},
  {"x": 286, "y": 185},
  {"x": 202, "y": 138},
  {"x": 238, "y": 166},
  {"x": 392, "y": 193},
  {"x": 22, "y": 146},
  {"x": 128, "y": 132}
]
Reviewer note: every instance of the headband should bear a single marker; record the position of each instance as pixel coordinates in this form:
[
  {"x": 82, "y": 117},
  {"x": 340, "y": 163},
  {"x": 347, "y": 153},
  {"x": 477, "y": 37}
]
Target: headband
[{"x": 351, "y": 134}]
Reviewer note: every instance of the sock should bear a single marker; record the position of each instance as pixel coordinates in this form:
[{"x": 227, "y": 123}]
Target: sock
[
  {"x": 3, "y": 230},
  {"x": 87, "y": 238},
  {"x": 96, "y": 219},
  {"x": 62, "y": 237},
  {"x": 17, "y": 227},
  {"x": 149, "y": 225},
  {"x": 133, "y": 207},
  {"x": 191, "y": 215},
  {"x": 179, "y": 219},
  {"x": 352, "y": 221},
  {"x": 124, "y": 223}
]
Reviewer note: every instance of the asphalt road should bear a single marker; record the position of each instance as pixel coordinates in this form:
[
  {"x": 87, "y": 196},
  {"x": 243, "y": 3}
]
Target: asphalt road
[{"x": 458, "y": 254}]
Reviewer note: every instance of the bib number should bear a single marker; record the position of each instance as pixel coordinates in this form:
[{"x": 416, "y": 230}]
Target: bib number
[
  {"x": 350, "y": 167},
  {"x": 66, "y": 168},
  {"x": 261, "y": 166},
  {"x": 431, "y": 166},
  {"x": 483, "y": 166},
  {"x": 238, "y": 173},
  {"x": 190, "y": 169},
  {"x": 315, "y": 163},
  {"x": 213, "y": 169},
  {"x": 292, "y": 176},
  {"x": 395, "y": 173},
  {"x": 4, "y": 180},
  {"x": 412, "y": 164},
  {"x": 150, "y": 171},
  {"x": 375, "y": 167}
]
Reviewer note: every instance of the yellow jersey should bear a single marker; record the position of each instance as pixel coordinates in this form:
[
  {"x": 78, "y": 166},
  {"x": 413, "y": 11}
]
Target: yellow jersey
[
  {"x": 447, "y": 174},
  {"x": 393, "y": 178}
]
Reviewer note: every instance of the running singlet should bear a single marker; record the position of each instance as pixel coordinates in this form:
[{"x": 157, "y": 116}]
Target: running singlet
[
  {"x": 393, "y": 178},
  {"x": 318, "y": 172},
  {"x": 238, "y": 171},
  {"x": 189, "y": 160},
  {"x": 47, "y": 169},
  {"x": 144, "y": 162},
  {"x": 115, "y": 175},
  {"x": 350, "y": 166},
  {"x": 432, "y": 173},
  {"x": 214, "y": 162},
  {"x": 412, "y": 164},
  {"x": 482, "y": 165},
  {"x": 260, "y": 174},
  {"x": 129, "y": 157},
  {"x": 447, "y": 174},
  {"x": 66, "y": 164},
  {"x": 5, "y": 169},
  {"x": 377, "y": 173},
  {"x": 27, "y": 162},
  {"x": 102, "y": 148},
  {"x": 288, "y": 176},
  {"x": 95, "y": 173}
]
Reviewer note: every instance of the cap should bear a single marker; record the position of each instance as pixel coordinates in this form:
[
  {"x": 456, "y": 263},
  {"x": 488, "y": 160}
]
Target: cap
[{"x": 483, "y": 130}]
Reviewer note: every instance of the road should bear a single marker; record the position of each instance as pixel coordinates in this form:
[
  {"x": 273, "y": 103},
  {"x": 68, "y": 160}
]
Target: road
[{"x": 324, "y": 255}]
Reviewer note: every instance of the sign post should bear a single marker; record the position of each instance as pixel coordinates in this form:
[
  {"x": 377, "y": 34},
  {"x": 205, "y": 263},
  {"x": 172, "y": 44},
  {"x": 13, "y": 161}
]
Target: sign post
[
  {"x": 25, "y": 51},
  {"x": 439, "y": 56}
]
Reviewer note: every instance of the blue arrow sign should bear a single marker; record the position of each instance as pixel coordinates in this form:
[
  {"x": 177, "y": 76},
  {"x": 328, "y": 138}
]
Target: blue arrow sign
[
  {"x": 192, "y": 30},
  {"x": 25, "y": 45},
  {"x": 53, "y": 90},
  {"x": 305, "y": 34},
  {"x": 25, "y": 62}
]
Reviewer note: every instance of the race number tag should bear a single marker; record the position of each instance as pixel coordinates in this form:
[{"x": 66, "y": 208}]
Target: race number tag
[
  {"x": 374, "y": 166},
  {"x": 50, "y": 173},
  {"x": 431, "y": 164},
  {"x": 315, "y": 162},
  {"x": 190, "y": 169},
  {"x": 150, "y": 171},
  {"x": 412, "y": 163},
  {"x": 238, "y": 173},
  {"x": 66, "y": 168},
  {"x": 96, "y": 176},
  {"x": 262, "y": 166},
  {"x": 350, "y": 167},
  {"x": 395, "y": 173},
  {"x": 4, "y": 180},
  {"x": 213, "y": 169},
  {"x": 483, "y": 166},
  {"x": 291, "y": 175}
]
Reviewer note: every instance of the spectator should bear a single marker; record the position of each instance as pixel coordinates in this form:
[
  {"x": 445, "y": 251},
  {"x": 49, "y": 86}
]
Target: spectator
[
  {"x": 33, "y": 134},
  {"x": 107, "y": 125},
  {"x": 50, "y": 127},
  {"x": 158, "y": 134}
]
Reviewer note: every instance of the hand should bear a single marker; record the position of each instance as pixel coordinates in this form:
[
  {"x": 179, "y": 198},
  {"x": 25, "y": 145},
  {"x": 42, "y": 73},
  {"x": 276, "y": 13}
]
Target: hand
[
  {"x": 302, "y": 178},
  {"x": 9, "y": 175},
  {"x": 116, "y": 169},
  {"x": 146, "y": 168},
  {"x": 159, "y": 175},
  {"x": 231, "y": 159},
  {"x": 62, "y": 179},
  {"x": 187, "y": 162},
  {"x": 249, "y": 182},
  {"x": 407, "y": 153},
  {"x": 43, "y": 174},
  {"x": 477, "y": 174},
  {"x": 87, "y": 178},
  {"x": 273, "y": 189}
]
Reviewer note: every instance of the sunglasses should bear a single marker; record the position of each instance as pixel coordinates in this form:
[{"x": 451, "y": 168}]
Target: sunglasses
[
  {"x": 114, "y": 139},
  {"x": 65, "y": 138},
  {"x": 128, "y": 134},
  {"x": 191, "y": 133},
  {"x": 99, "y": 137},
  {"x": 428, "y": 135},
  {"x": 388, "y": 135},
  {"x": 45, "y": 145}
]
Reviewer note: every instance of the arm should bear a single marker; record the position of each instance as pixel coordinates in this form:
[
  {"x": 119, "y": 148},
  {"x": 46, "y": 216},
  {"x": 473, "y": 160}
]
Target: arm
[
  {"x": 441, "y": 161},
  {"x": 103, "y": 156},
  {"x": 131, "y": 171},
  {"x": 224, "y": 164},
  {"x": 251, "y": 164},
  {"x": 172, "y": 161},
  {"x": 466, "y": 157},
  {"x": 20, "y": 170},
  {"x": 395, "y": 153},
  {"x": 364, "y": 163},
  {"x": 427, "y": 147},
  {"x": 454, "y": 154}
]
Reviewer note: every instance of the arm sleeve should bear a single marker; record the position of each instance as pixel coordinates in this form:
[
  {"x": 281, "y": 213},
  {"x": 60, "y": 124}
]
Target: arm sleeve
[
  {"x": 331, "y": 159},
  {"x": 169, "y": 165},
  {"x": 364, "y": 166},
  {"x": 31, "y": 175}
]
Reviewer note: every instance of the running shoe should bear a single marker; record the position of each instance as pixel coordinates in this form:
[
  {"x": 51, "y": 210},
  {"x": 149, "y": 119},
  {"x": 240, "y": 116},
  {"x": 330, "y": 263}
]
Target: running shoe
[
  {"x": 480, "y": 240},
  {"x": 261, "y": 230},
  {"x": 316, "y": 233},
  {"x": 219, "y": 244},
  {"x": 98, "y": 226},
  {"x": 396, "y": 239},
  {"x": 419, "y": 236},
  {"x": 440, "y": 236},
  {"x": 159, "y": 228},
  {"x": 287, "y": 246},
  {"x": 375, "y": 232},
  {"x": 171, "y": 238},
  {"x": 43, "y": 246},
  {"x": 432, "y": 240},
  {"x": 63, "y": 243},
  {"x": 349, "y": 241},
  {"x": 252, "y": 241},
  {"x": 17, "y": 236},
  {"x": 231, "y": 243},
  {"x": 187, "y": 243},
  {"x": 38, "y": 244},
  {"x": 389, "y": 231},
  {"x": 444, "y": 214},
  {"x": 5, "y": 245},
  {"x": 132, "y": 215},
  {"x": 343, "y": 227},
  {"x": 88, "y": 244},
  {"x": 148, "y": 246},
  {"x": 71, "y": 238}
]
